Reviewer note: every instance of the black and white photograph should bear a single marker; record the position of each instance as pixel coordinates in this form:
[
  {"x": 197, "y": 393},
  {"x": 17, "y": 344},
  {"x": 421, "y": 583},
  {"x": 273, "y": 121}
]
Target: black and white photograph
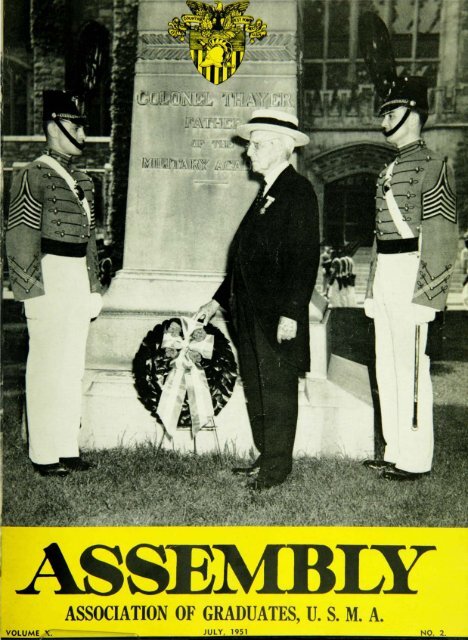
[{"x": 234, "y": 317}]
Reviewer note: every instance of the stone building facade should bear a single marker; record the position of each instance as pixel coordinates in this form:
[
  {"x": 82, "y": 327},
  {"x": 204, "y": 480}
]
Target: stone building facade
[{"x": 336, "y": 102}]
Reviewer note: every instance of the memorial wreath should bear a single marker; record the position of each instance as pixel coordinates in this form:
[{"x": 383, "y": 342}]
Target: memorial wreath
[{"x": 184, "y": 373}]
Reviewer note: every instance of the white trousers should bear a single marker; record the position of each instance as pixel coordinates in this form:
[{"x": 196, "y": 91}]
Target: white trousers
[
  {"x": 410, "y": 449},
  {"x": 58, "y": 324}
]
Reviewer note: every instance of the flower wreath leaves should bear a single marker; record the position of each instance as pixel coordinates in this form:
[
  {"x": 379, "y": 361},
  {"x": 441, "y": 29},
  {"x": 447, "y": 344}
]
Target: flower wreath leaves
[{"x": 151, "y": 366}]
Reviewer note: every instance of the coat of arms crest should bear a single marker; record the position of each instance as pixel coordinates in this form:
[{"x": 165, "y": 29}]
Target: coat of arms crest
[{"x": 217, "y": 36}]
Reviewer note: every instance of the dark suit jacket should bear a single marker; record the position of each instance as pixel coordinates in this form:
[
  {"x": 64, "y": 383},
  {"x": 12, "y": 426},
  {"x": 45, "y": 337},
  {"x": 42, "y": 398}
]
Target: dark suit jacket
[{"x": 276, "y": 254}]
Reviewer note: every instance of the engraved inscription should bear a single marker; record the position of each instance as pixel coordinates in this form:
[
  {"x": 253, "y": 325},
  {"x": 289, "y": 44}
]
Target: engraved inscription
[
  {"x": 230, "y": 99},
  {"x": 185, "y": 164},
  {"x": 175, "y": 98},
  {"x": 240, "y": 99},
  {"x": 191, "y": 164},
  {"x": 214, "y": 122}
]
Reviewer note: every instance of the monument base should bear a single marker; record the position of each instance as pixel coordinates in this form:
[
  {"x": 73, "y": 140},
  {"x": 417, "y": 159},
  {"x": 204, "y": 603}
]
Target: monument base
[
  {"x": 336, "y": 414},
  {"x": 335, "y": 403},
  {"x": 336, "y": 417}
]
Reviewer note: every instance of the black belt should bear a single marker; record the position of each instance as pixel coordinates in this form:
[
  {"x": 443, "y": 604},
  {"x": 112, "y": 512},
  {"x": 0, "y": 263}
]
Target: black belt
[
  {"x": 397, "y": 246},
  {"x": 68, "y": 249}
]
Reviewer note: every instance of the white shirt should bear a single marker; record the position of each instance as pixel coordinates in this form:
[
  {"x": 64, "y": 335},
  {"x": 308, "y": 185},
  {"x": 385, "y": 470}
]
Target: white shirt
[{"x": 271, "y": 175}]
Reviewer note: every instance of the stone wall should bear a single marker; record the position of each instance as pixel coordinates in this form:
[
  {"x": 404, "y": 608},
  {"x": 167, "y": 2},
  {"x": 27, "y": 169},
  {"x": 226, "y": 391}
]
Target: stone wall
[
  {"x": 462, "y": 66},
  {"x": 124, "y": 55},
  {"x": 49, "y": 20},
  {"x": 100, "y": 10}
]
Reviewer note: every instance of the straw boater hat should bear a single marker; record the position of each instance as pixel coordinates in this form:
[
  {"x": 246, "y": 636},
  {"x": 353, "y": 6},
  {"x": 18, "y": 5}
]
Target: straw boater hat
[{"x": 276, "y": 122}]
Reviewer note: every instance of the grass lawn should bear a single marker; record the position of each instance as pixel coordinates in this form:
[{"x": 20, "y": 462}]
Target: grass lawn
[{"x": 142, "y": 486}]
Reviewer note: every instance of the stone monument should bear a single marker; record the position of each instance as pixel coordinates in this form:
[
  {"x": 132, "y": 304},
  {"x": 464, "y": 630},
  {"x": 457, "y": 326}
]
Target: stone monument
[{"x": 189, "y": 187}]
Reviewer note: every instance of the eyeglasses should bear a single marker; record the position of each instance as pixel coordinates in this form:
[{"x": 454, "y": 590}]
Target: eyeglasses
[{"x": 260, "y": 144}]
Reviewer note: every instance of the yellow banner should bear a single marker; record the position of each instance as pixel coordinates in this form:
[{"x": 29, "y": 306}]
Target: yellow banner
[{"x": 234, "y": 581}]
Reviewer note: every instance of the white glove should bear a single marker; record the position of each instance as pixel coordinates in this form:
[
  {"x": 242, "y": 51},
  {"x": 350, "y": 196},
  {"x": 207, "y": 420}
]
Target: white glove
[
  {"x": 207, "y": 311},
  {"x": 369, "y": 307},
  {"x": 95, "y": 305},
  {"x": 287, "y": 329},
  {"x": 422, "y": 314}
]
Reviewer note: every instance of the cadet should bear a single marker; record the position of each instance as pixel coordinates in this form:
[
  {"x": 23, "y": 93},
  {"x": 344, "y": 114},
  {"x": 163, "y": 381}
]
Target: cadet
[
  {"x": 414, "y": 257},
  {"x": 53, "y": 265}
]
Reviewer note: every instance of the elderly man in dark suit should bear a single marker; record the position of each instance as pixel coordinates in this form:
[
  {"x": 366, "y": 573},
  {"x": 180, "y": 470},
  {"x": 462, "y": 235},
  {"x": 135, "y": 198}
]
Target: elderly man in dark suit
[{"x": 271, "y": 274}]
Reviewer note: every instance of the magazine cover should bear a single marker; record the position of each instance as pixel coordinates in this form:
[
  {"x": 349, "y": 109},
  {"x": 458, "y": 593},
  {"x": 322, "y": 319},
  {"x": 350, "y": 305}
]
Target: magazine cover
[{"x": 234, "y": 304}]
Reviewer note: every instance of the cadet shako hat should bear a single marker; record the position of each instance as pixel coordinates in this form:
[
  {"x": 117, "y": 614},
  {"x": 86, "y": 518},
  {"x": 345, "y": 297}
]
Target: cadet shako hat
[
  {"x": 61, "y": 105},
  {"x": 407, "y": 91},
  {"x": 276, "y": 122}
]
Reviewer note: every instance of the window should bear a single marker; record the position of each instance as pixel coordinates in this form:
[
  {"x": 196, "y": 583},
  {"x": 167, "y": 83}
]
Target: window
[
  {"x": 17, "y": 92},
  {"x": 16, "y": 16},
  {"x": 331, "y": 49}
]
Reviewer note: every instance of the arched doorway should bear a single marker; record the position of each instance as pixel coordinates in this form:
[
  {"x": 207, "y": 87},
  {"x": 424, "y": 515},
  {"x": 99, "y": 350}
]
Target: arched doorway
[
  {"x": 349, "y": 210},
  {"x": 345, "y": 177}
]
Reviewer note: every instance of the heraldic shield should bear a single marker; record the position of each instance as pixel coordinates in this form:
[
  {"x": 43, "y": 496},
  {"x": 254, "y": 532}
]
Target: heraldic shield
[
  {"x": 218, "y": 59},
  {"x": 217, "y": 36}
]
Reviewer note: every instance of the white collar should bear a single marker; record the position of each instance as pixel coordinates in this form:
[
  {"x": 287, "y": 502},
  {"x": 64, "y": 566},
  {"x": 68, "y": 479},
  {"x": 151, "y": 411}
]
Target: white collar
[{"x": 272, "y": 175}]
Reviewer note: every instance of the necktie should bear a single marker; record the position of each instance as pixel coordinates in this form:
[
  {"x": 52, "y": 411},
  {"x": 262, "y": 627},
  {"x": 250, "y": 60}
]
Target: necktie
[{"x": 260, "y": 195}]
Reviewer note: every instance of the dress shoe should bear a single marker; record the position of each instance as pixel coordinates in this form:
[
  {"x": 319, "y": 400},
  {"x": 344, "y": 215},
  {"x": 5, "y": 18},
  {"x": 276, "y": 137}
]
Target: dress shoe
[
  {"x": 247, "y": 471},
  {"x": 76, "y": 464},
  {"x": 378, "y": 465},
  {"x": 400, "y": 475},
  {"x": 56, "y": 470}
]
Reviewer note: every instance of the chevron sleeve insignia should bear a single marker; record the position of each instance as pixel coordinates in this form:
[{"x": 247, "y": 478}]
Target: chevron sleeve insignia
[
  {"x": 26, "y": 278},
  {"x": 24, "y": 208},
  {"x": 440, "y": 200}
]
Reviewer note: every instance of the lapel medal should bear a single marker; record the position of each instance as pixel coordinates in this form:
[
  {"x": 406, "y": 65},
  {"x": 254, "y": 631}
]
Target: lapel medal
[
  {"x": 217, "y": 36},
  {"x": 268, "y": 201}
]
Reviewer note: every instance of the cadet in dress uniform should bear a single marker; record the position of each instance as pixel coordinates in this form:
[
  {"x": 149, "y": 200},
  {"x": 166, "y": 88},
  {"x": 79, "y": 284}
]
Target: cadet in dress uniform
[
  {"x": 413, "y": 261},
  {"x": 273, "y": 265},
  {"x": 53, "y": 266}
]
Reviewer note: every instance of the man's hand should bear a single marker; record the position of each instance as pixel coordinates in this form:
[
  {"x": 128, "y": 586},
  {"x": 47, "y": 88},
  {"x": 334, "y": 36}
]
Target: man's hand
[
  {"x": 207, "y": 311},
  {"x": 422, "y": 314},
  {"x": 287, "y": 329},
  {"x": 369, "y": 307}
]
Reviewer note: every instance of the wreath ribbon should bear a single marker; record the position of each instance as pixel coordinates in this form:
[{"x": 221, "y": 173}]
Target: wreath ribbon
[{"x": 185, "y": 378}]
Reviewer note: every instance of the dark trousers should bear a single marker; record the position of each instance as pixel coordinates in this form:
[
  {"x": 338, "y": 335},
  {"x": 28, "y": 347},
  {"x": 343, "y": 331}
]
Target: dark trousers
[{"x": 271, "y": 391}]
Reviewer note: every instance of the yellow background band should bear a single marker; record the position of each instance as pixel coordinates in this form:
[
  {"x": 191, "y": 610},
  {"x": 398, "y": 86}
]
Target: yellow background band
[{"x": 439, "y": 576}]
